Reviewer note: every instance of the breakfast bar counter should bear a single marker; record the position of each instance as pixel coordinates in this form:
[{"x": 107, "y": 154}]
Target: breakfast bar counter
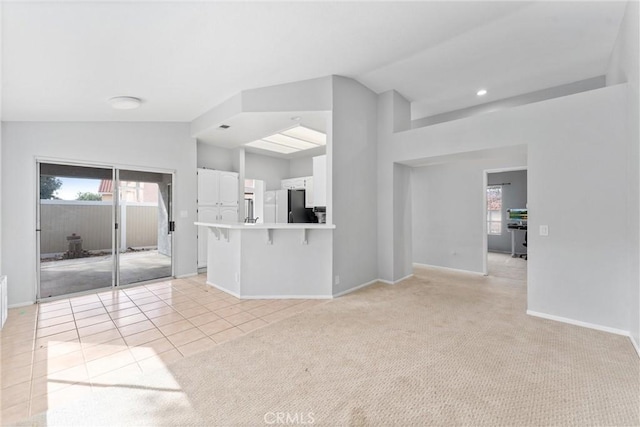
[{"x": 270, "y": 260}]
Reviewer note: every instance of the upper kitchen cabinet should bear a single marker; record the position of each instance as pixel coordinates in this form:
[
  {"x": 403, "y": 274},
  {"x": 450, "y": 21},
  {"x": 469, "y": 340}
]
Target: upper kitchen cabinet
[
  {"x": 295, "y": 183},
  {"x": 320, "y": 180},
  {"x": 217, "y": 188},
  {"x": 302, "y": 183}
]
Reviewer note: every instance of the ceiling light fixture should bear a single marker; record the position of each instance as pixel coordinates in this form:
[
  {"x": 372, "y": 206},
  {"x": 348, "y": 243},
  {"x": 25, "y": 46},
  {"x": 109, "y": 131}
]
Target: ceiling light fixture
[
  {"x": 296, "y": 118},
  {"x": 298, "y": 138},
  {"x": 125, "y": 102},
  {"x": 481, "y": 92}
]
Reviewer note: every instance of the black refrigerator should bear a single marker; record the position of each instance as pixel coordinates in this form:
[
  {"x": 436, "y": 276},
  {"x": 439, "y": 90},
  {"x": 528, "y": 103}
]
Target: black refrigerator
[{"x": 297, "y": 210}]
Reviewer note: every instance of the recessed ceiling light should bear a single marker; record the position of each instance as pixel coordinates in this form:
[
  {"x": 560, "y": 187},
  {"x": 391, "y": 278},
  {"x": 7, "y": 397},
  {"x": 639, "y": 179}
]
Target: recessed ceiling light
[
  {"x": 481, "y": 92},
  {"x": 296, "y": 118},
  {"x": 125, "y": 102}
]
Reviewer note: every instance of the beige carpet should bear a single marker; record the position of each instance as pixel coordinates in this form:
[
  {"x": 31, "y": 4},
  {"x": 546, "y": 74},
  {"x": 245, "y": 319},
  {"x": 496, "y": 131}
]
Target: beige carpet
[
  {"x": 503, "y": 265},
  {"x": 441, "y": 348}
]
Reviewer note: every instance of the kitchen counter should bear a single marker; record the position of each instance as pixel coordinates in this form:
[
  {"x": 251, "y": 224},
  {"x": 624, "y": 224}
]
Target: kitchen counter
[
  {"x": 270, "y": 260},
  {"x": 263, "y": 226}
]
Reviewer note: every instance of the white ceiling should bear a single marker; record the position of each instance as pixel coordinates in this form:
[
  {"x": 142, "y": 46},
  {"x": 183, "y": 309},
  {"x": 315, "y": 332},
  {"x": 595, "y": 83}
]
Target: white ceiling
[
  {"x": 247, "y": 127},
  {"x": 63, "y": 60}
]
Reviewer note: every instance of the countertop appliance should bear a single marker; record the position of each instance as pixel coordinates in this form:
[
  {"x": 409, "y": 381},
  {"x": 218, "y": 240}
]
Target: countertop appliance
[{"x": 321, "y": 214}]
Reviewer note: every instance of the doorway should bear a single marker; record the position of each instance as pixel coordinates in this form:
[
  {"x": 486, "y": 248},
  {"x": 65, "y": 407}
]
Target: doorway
[
  {"x": 100, "y": 227},
  {"x": 506, "y": 223}
]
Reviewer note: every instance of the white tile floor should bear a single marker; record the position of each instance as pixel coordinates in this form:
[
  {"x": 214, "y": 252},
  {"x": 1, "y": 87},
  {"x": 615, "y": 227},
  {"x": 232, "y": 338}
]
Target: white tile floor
[{"x": 54, "y": 352}]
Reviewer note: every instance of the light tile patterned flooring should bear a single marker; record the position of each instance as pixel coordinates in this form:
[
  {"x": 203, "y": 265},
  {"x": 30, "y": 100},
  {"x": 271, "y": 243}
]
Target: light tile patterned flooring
[{"x": 55, "y": 352}]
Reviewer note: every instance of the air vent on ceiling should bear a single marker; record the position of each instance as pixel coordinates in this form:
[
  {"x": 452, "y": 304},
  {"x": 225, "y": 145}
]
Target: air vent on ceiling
[{"x": 224, "y": 127}]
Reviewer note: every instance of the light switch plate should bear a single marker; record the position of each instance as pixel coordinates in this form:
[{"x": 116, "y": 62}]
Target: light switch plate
[
  {"x": 544, "y": 230},
  {"x": 184, "y": 214}
]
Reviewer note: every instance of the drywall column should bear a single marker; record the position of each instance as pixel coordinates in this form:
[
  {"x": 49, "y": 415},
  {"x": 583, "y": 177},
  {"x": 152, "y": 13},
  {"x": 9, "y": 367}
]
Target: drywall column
[
  {"x": 623, "y": 68},
  {"x": 394, "y": 115},
  {"x": 354, "y": 155},
  {"x": 402, "y": 223}
]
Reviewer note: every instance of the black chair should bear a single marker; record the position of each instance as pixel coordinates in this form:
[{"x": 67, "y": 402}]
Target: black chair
[{"x": 524, "y": 256}]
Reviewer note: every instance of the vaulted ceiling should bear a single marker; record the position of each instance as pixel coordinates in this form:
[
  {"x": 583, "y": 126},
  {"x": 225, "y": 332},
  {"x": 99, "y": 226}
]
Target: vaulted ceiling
[{"x": 63, "y": 60}]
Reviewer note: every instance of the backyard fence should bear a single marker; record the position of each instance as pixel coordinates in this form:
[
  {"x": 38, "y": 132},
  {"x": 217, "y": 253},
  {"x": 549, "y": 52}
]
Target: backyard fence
[{"x": 92, "y": 221}]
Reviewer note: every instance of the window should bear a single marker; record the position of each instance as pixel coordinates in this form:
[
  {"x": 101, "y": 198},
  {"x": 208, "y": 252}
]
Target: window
[{"x": 494, "y": 210}]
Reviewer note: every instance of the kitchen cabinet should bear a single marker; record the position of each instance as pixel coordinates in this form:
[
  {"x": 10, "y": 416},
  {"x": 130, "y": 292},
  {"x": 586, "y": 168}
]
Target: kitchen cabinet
[
  {"x": 320, "y": 180},
  {"x": 294, "y": 183},
  {"x": 217, "y": 202},
  {"x": 302, "y": 183},
  {"x": 219, "y": 188}
]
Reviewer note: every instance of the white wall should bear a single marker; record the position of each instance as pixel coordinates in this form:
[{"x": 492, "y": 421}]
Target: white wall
[
  {"x": 302, "y": 166},
  {"x": 143, "y": 145},
  {"x": 1, "y": 7},
  {"x": 354, "y": 192},
  {"x": 577, "y": 142},
  {"x": 305, "y": 95},
  {"x": 623, "y": 67},
  {"x": 448, "y": 208},
  {"x": 271, "y": 170},
  {"x": 212, "y": 157}
]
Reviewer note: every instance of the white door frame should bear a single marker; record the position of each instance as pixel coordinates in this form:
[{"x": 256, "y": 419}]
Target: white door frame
[{"x": 485, "y": 237}]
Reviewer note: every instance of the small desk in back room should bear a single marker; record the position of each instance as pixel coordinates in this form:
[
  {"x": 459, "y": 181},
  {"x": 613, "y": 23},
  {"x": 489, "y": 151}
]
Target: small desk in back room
[{"x": 513, "y": 228}]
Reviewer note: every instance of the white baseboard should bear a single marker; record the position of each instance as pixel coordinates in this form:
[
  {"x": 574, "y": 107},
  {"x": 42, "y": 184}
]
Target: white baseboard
[
  {"x": 439, "y": 267},
  {"x": 21, "y": 304},
  {"x": 185, "y": 276},
  {"x": 389, "y": 282},
  {"x": 579, "y": 323},
  {"x": 286, "y": 297},
  {"x": 268, "y": 296},
  {"x": 220, "y": 288},
  {"x": 635, "y": 344},
  {"x": 348, "y": 291}
]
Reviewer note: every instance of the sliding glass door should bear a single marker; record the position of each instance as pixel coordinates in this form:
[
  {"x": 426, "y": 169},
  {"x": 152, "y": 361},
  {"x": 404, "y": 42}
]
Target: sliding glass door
[
  {"x": 100, "y": 227},
  {"x": 144, "y": 218},
  {"x": 75, "y": 229}
]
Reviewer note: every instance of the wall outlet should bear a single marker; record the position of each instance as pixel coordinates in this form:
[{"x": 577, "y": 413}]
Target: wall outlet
[
  {"x": 337, "y": 280},
  {"x": 544, "y": 230}
]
